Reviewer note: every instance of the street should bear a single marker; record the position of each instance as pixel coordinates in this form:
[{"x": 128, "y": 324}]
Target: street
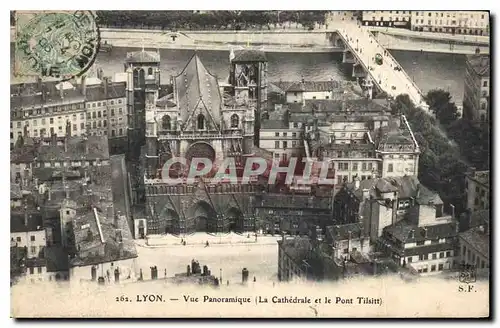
[{"x": 260, "y": 260}]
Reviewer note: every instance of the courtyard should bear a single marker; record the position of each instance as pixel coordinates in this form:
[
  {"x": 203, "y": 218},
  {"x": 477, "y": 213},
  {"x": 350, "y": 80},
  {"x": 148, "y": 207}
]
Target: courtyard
[{"x": 261, "y": 260}]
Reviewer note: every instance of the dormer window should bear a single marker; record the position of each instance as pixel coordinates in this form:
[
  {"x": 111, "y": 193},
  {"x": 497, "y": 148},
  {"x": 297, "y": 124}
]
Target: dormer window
[
  {"x": 201, "y": 122},
  {"x": 235, "y": 121}
]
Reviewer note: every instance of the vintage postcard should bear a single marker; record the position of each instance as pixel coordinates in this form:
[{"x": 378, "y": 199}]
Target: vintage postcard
[{"x": 250, "y": 164}]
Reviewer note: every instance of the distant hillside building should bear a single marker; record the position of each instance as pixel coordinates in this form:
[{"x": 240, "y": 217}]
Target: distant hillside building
[{"x": 477, "y": 185}]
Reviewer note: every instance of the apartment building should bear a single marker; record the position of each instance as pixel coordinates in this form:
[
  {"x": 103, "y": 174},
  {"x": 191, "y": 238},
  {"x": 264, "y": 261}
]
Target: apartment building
[
  {"x": 474, "y": 239},
  {"x": 386, "y": 18},
  {"x": 455, "y": 22},
  {"x": 27, "y": 231},
  {"x": 282, "y": 139},
  {"x": 477, "y": 185},
  {"x": 42, "y": 109},
  {"x": 91, "y": 106},
  {"x": 477, "y": 88},
  {"x": 106, "y": 109}
]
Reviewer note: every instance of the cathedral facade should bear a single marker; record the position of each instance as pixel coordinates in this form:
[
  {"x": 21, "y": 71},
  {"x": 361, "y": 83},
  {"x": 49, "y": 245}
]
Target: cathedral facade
[{"x": 200, "y": 117}]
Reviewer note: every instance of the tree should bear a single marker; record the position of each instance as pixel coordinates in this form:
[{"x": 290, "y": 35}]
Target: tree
[{"x": 440, "y": 104}]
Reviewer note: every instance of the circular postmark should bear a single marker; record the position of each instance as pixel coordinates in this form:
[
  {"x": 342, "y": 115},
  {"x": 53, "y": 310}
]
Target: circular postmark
[{"x": 60, "y": 45}]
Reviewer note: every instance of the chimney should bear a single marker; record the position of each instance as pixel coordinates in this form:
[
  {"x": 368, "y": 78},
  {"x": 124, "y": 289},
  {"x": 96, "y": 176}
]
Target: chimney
[
  {"x": 25, "y": 131},
  {"x": 84, "y": 85},
  {"x": 86, "y": 142},
  {"x": 110, "y": 214},
  {"x": 53, "y": 139},
  {"x": 424, "y": 232},
  {"x": 106, "y": 83},
  {"x": 25, "y": 216},
  {"x": 61, "y": 90},
  {"x": 394, "y": 210},
  {"x": 452, "y": 211},
  {"x": 68, "y": 133},
  {"x": 39, "y": 84},
  {"x": 411, "y": 234},
  {"x": 366, "y": 193},
  {"x": 43, "y": 92},
  {"x": 356, "y": 182}
]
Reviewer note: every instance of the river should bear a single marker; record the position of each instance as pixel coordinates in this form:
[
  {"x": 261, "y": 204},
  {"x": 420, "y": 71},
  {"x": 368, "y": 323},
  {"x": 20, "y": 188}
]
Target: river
[{"x": 429, "y": 70}]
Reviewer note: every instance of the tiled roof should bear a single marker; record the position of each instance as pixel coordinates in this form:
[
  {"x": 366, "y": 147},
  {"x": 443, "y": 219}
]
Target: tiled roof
[
  {"x": 480, "y": 64},
  {"x": 407, "y": 186},
  {"x": 35, "y": 221},
  {"x": 53, "y": 97},
  {"x": 401, "y": 231},
  {"x": 429, "y": 249},
  {"x": 392, "y": 134},
  {"x": 115, "y": 90},
  {"x": 341, "y": 232},
  {"x": 273, "y": 124},
  {"x": 143, "y": 57},
  {"x": 195, "y": 84},
  {"x": 479, "y": 239},
  {"x": 23, "y": 154},
  {"x": 100, "y": 237},
  {"x": 76, "y": 149},
  {"x": 297, "y": 248},
  {"x": 247, "y": 55}
]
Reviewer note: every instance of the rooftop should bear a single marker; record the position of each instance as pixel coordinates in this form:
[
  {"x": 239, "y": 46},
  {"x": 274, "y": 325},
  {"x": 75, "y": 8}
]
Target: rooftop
[
  {"x": 19, "y": 218},
  {"x": 99, "y": 240},
  {"x": 409, "y": 232},
  {"x": 98, "y": 92},
  {"x": 482, "y": 177},
  {"x": 196, "y": 84},
  {"x": 75, "y": 148},
  {"x": 479, "y": 238},
  {"x": 248, "y": 55},
  {"x": 143, "y": 57},
  {"x": 297, "y": 248},
  {"x": 274, "y": 125},
  {"x": 407, "y": 186},
  {"x": 346, "y": 231},
  {"x": 480, "y": 64}
]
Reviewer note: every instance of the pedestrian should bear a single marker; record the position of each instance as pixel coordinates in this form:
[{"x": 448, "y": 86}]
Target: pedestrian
[
  {"x": 108, "y": 275},
  {"x": 254, "y": 279},
  {"x": 165, "y": 273}
]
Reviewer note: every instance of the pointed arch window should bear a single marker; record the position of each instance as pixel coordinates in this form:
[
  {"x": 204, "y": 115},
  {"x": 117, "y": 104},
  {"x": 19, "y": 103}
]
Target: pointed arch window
[
  {"x": 235, "y": 121},
  {"x": 201, "y": 122},
  {"x": 166, "y": 123}
]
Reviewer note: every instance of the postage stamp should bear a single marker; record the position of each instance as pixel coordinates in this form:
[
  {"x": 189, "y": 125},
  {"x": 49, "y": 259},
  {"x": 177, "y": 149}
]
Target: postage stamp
[{"x": 57, "y": 44}]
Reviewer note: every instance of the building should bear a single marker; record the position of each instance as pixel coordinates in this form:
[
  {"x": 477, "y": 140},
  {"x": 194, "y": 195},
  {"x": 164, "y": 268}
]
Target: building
[
  {"x": 477, "y": 185},
  {"x": 202, "y": 118},
  {"x": 298, "y": 92},
  {"x": 106, "y": 112},
  {"x": 378, "y": 203},
  {"x": 360, "y": 139},
  {"x": 292, "y": 258},
  {"x": 386, "y": 18},
  {"x": 42, "y": 109},
  {"x": 348, "y": 239},
  {"x": 104, "y": 246},
  {"x": 27, "y": 231},
  {"x": 90, "y": 106},
  {"x": 474, "y": 240},
  {"x": 454, "y": 22},
  {"x": 281, "y": 139},
  {"x": 477, "y": 88}
]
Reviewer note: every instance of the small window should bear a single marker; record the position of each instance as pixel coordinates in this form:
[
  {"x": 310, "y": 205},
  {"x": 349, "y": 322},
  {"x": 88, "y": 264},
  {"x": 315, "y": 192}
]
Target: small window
[
  {"x": 18, "y": 239},
  {"x": 390, "y": 168},
  {"x": 32, "y": 238},
  {"x": 276, "y": 134},
  {"x": 434, "y": 256},
  {"x": 201, "y": 122},
  {"x": 448, "y": 254},
  {"x": 433, "y": 267},
  {"x": 32, "y": 271},
  {"x": 346, "y": 250},
  {"x": 39, "y": 269},
  {"x": 440, "y": 267}
]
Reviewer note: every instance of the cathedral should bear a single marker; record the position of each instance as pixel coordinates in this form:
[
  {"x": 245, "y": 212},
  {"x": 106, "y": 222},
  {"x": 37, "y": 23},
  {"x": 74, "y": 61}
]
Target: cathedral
[{"x": 195, "y": 115}]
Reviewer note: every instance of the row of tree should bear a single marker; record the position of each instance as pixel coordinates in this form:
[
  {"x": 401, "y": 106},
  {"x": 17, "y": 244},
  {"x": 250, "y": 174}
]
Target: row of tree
[
  {"x": 222, "y": 19},
  {"x": 441, "y": 167}
]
